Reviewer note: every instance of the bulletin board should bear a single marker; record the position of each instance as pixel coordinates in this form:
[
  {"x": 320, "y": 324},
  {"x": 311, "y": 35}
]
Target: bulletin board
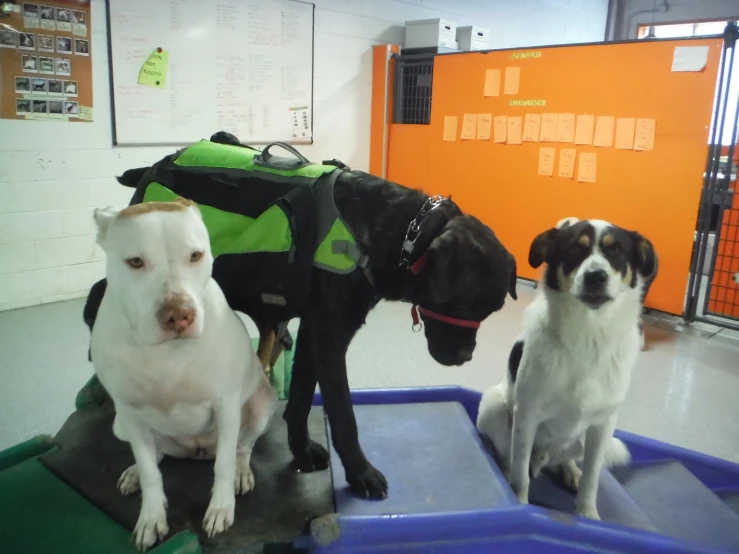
[
  {"x": 648, "y": 105},
  {"x": 45, "y": 62},
  {"x": 184, "y": 69}
]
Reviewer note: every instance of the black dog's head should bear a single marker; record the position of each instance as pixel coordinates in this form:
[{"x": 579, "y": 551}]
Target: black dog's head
[
  {"x": 592, "y": 260},
  {"x": 469, "y": 274}
]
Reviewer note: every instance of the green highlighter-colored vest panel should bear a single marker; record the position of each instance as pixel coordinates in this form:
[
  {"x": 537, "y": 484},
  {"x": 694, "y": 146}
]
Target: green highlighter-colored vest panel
[
  {"x": 232, "y": 233},
  {"x": 326, "y": 255},
  {"x": 213, "y": 154}
]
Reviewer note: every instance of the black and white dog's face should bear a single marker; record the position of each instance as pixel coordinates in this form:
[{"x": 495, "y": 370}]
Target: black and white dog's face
[
  {"x": 592, "y": 260},
  {"x": 470, "y": 275}
]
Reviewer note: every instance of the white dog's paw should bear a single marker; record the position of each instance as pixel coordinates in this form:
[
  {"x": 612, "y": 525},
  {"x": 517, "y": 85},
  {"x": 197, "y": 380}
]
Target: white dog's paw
[
  {"x": 129, "y": 481},
  {"x": 571, "y": 476},
  {"x": 152, "y": 525},
  {"x": 588, "y": 511},
  {"x": 220, "y": 513},
  {"x": 244, "y": 477}
]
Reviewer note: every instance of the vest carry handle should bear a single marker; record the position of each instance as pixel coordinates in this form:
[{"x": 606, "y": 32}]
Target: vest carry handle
[{"x": 266, "y": 159}]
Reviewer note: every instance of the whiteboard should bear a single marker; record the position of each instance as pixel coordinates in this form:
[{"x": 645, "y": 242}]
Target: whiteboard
[{"x": 243, "y": 66}]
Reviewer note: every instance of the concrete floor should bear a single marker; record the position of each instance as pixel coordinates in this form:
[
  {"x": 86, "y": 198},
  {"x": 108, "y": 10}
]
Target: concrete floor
[{"x": 685, "y": 390}]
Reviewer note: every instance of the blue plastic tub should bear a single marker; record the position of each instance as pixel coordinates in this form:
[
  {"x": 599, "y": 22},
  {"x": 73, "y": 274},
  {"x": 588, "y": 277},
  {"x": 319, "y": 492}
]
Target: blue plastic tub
[{"x": 448, "y": 496}]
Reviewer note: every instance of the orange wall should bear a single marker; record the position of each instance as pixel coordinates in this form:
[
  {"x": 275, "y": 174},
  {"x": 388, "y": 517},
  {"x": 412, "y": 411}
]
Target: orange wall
[
  {"x": 655, "y": 192},
  {"x": 408, "y": 157}
]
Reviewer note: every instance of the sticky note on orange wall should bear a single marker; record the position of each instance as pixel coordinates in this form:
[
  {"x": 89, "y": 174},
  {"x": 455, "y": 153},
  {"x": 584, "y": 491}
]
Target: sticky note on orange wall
[
  {"x": 546, "y": 161},
  {"x": 604, "y": 131},
  {"x": 450, "y": 128},
  {"x": 566, "y": 127},
  {"x": 514, "y": 130},
  {"x": 484, "y": 123},
  {"x": 492, "y": 82},
  {"x": 469, "y": 125},
  {"x": 531, "y": 126},
  {"x": 500, "y": 128},
  {"x": 567, "y": 163},
  {"x": 549, "y": 123},
  {"x": 625, "y": 133},
  {"x": 584, "y": 129},
  {"x": 587, "y": 167},
  {"x": 644, "y": 135},
  {"x": 512, "y": 80}
]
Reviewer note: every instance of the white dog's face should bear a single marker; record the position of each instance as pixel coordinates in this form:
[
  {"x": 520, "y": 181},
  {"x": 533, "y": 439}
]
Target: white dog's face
[
  {"x": 592, "y": 260},
  {"x": 158, "y": 265}
]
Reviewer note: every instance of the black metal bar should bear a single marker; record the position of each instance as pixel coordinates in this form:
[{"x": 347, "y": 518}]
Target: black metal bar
[
  {"x": 728, "y": 324},
  {"x": 111, "y": 82},
  {"x": 706, "y": 202},
  {"x": 720, "y": 188}
]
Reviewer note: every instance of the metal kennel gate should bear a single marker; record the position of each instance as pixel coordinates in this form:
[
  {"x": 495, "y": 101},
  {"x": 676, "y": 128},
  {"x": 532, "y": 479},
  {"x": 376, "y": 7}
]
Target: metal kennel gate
[
  {"x": 414, "y": 77},
  {"x": 713, "y": 287}
]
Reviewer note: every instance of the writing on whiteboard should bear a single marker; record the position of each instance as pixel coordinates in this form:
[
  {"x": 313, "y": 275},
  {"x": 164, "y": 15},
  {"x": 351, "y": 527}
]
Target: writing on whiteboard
[{"x": 234, "y": 65}]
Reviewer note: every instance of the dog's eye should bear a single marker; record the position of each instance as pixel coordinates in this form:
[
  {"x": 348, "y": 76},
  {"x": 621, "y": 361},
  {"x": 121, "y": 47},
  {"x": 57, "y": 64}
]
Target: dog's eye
[
  {"x": 196, "y": 257},
  {"x": 135, "y": 262}
]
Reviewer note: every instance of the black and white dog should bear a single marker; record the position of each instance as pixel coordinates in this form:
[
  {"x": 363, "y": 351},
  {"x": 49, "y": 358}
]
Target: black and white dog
[
  {"x": 569, "y": 371},
  {"x": 454, "y": 271},
  {"x": 648, "y": 280}
]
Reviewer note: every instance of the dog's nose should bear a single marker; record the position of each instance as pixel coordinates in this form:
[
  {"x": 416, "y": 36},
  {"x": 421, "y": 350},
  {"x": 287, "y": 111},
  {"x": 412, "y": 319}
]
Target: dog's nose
[
  {"x": 466, "y": 354},
  {"x": 595, "y": 279},
  {"x": 176, "y": 317}
]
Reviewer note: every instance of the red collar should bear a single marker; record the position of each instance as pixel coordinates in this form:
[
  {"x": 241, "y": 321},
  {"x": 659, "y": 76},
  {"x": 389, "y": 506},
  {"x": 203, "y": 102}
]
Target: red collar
[
  {"x": 417, "y": 325},
  {"x": 416, "y": 268},
  {"x": 418, "y": 265}
]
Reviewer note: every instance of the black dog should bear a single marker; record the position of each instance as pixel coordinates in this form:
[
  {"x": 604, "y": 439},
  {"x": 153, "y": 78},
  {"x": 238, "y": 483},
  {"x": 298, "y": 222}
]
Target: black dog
[{"x": 421, "y": 250}]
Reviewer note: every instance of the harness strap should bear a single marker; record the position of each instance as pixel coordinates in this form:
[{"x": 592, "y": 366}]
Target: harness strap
[{"x": 352, "y": 250}]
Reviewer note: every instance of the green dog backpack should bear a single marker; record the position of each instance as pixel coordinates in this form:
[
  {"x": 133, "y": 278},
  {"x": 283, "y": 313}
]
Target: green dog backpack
[{"x": 270, "y": 220}]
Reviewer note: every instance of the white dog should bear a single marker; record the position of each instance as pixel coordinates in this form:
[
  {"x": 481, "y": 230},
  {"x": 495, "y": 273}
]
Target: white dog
[
  {"x": 569, "y": 371},
  {"x": 176, "y": 360}
]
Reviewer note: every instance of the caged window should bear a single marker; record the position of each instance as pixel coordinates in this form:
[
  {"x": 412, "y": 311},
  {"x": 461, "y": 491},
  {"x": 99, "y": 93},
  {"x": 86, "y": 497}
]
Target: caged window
[{"x": 413, "y": 91}]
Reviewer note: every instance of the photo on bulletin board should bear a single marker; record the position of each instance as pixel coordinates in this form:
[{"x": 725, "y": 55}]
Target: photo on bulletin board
[{"x": 45, "y": 53}]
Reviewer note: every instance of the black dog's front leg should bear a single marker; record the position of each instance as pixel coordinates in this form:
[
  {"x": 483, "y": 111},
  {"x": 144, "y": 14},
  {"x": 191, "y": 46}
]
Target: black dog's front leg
[
  {"x": 309, "y": 455},
  {"x": 321, "y": 352},
  {"x": 363, "y": 478}
]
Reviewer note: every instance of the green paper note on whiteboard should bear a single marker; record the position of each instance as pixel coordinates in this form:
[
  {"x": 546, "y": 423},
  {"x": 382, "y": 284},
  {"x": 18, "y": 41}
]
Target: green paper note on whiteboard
[{"x": 154, "y": 71}]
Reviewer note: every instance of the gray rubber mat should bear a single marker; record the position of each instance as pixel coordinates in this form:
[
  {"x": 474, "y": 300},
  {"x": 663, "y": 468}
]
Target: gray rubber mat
[{"x": 277, "y": 511}]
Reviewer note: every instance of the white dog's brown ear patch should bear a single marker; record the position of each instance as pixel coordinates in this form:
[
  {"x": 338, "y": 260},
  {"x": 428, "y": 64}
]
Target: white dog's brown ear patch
[
  {"x": 185, "y": 202},
  {"x": 189, "y": 204},
  {"x": 148, "y": 207}
]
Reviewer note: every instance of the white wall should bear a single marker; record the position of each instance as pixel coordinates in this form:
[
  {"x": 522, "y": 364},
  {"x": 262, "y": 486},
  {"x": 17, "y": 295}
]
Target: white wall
[
  {"x": 641, "y": 12},
  {"x": 53, "y": 174}
]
